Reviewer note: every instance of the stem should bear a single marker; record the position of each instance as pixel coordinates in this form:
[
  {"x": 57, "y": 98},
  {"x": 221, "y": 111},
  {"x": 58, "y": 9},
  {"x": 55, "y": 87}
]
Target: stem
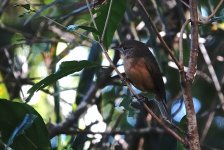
[
  {"x": 212, "y": 73},
  {"x": 91, "y": 14},
  {"x": 186, "y": 80},
  {"x": 181, "y": 43},
  {"x": 106, "y": 22}
]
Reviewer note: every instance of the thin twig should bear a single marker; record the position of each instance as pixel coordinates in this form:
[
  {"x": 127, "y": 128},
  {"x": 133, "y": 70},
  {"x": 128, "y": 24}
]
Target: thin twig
[
  {"x": 181, "y": 43},
  {"x": 216, "y": 9},
  {"x": 64, "y": 27},
  {"x": 40, "y": 11},
  {"x": 159, "y": 36},
  {"x": 114, "y": 132},
  {"x": 106, "y": 22},
  {"x": 212, "y": 73},
  {"x": 185, "y": 3},
  {"x": 206, "y": 20},
  {"x": 207, "y": 126},
  {"x": 164, "y": 126},
  {"x": 91, "y": 14},
  {"x": 15, "y": 75}
]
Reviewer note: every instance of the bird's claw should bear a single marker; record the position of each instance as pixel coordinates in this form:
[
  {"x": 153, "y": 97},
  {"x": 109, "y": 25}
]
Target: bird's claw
[{"x": 138, "y": 103}]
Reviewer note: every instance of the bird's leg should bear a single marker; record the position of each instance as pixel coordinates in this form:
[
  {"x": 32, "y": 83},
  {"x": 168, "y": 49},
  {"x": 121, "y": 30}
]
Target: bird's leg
[{"x": 124, "y": 80}]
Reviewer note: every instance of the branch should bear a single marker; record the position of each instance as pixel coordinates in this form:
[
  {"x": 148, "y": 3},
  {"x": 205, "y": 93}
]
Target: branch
[
  {"x": 206, "y": 20},
  {"x": 40, "y": 11},
  {"x": 91, "y": 14},
  {"x": 159, "y": 36},
  {"x": 194, "y": 41},
  {"x": 106, "y": 22},
  {"x": 212, "y": 73},
  {"x": 181, "y": 43},
  {"x": 73, "y": 118},
  {"x": 186, "y": 81},
  {"x": 113, "y": 132},
  {"x": 207, "y": 126},
  {"x": 169, "y": 130}
]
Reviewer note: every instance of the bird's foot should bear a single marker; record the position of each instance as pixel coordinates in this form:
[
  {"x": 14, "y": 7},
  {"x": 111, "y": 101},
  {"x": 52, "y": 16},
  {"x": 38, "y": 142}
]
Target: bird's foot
[{"x": 123, "y": 81}]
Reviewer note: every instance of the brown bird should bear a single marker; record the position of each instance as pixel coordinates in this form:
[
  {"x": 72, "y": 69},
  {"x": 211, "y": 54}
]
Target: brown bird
[{"x": 142, "y": 70}]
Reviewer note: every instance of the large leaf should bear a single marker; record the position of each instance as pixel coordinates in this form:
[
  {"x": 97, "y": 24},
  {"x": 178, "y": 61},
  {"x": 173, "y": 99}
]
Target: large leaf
[
  {"x": 117, "y": 12},
  {"x": 66, "y": 68},
  {"x": 22, "y": 127}
]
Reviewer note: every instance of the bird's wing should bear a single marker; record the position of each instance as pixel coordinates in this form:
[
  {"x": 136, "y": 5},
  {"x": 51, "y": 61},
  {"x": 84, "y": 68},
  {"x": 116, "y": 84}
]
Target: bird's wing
[{"x": 156, "y": 74}]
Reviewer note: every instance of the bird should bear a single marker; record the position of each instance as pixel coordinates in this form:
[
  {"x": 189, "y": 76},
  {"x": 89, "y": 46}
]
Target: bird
[{"x": 142, "y": 71}]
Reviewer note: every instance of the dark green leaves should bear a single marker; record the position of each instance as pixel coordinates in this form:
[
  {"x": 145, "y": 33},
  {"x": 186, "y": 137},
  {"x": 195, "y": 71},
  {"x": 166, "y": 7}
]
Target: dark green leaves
[
  {"x": 22, "y": 127},
  {"x": 66, "y": 68},
  {"x": 117, "y": 12}
]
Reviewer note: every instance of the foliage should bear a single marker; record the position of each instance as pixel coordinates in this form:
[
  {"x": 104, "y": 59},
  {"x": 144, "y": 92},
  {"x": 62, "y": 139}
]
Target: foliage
[
  {"x": 55, "y": 48},
  {"x": 21, "y": 126}
]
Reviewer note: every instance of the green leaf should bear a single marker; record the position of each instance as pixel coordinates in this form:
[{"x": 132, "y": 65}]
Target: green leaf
[
  {"x": 26, "y": 6},
  {"x": 126, "y": 102},
  {"x": 25, "y": 124},
  {"x": 180, "y": 146},
  {"x": 75, "y": 27},
  {"x": 66, "y": 68},
  {"x": 22, "y": 132},
  {"x": 117, "y": 12}
]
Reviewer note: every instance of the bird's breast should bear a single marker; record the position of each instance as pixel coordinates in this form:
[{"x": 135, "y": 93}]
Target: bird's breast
[{"x": 138, "y": 73}]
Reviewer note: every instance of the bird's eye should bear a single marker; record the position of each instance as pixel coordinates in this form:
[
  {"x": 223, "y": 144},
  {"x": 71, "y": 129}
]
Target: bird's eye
[{"x": 124, "y": 47}]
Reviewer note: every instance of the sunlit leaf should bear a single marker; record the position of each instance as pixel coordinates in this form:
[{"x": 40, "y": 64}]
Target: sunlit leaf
[{"x": 66, "y": 68}]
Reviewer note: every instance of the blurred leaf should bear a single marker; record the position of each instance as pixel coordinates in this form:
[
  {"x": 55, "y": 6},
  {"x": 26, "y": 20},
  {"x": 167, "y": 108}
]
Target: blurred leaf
[
  {"x": 40, "y": 47},
  {"x": 75, "y": 27},
  {"x": 180, "y": 146},
  {"x": 117, "y": 12},
  {"x": 26, "y": 6},
  {"x": 126, "y": 102},
  {"x": 183, "y": 123},
  {"x": 66, "y": 68},
  {"x": 217, "y": 18},
  {"x": 30, "y": 134},
  {"x": 3, "y": 89},
  {"x": 87, "y": 75}
]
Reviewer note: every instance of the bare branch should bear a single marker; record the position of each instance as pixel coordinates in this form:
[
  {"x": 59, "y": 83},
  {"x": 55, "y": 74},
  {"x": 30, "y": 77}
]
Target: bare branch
[{"x": 186, "y": 81}]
